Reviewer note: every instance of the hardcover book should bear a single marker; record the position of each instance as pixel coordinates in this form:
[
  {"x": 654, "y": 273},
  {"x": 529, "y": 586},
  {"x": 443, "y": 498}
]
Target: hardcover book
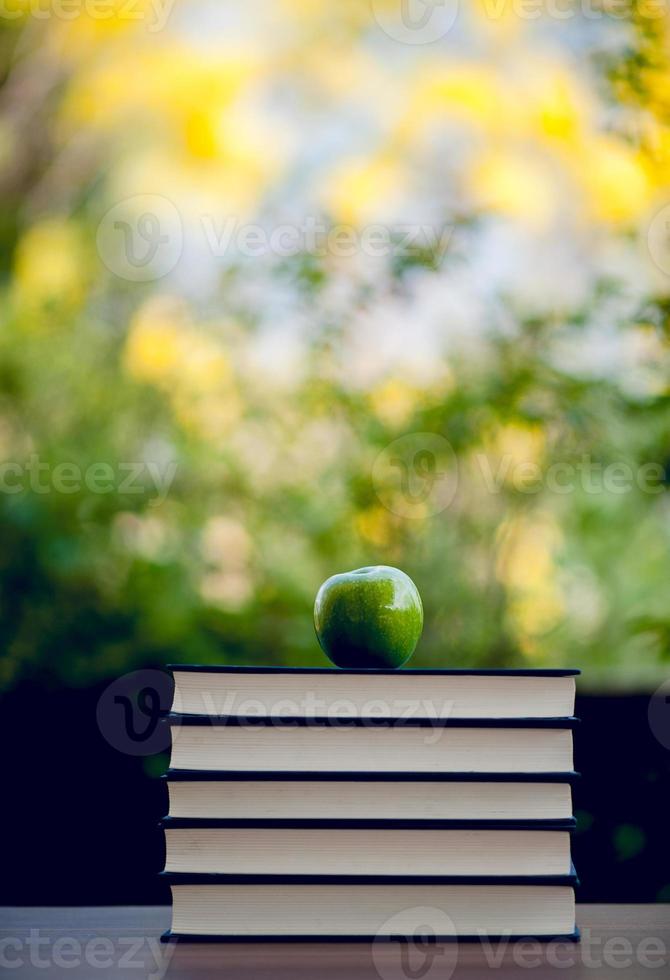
[
  {"x": 271, "y": 910},
  {"x": 372, "y": 693},
  {"x": 387, "y": 745},
  {"x": 334, "y": 804},
  {"x": 381, "y": 847},
  {"x": 363, "y": 796}
]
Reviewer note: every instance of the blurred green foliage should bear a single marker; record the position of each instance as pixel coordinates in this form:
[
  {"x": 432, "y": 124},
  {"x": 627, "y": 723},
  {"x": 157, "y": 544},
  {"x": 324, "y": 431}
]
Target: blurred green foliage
[{"x": 265, "y": 394}]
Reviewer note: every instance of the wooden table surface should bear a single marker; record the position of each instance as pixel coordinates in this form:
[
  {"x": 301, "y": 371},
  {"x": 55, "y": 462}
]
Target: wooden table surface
[{"x": 618, "y": 941}]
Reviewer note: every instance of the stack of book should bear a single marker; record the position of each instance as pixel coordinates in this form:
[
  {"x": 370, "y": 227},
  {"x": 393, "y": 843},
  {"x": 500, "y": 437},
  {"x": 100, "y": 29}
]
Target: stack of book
[{"x": 368, "y": 804}]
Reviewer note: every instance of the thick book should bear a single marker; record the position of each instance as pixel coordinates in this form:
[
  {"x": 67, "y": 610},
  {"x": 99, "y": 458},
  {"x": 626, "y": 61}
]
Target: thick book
[
  {"x": 351, "y": 796},
  {"x": 415, "y": 745},
  {"x": 214, "y": 908},
  {"x": 372, "y": 693},
  {"x": 369, "y": 848}
]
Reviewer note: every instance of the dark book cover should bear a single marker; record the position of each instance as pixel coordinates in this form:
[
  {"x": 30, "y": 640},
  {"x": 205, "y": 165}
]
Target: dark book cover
[
  {"x": 270, "y": 721},
  {"x": 181, "y": 878},
  {"x": 395, "y": 672},
  {"x": 263, "y": 775},
  {"x": 175, "y": 823},
  {"x": 176, "y": 937}
]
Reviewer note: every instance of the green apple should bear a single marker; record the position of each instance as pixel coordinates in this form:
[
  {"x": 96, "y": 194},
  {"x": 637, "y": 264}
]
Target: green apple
[{"x": 371, "y": 617}]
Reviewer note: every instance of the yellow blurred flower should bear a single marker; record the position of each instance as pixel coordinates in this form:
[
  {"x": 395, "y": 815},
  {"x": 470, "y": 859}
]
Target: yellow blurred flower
[
  {"x": 525, "y": 551},
  {"x": 541, "y": 101},
  {"x": 616, "y": 183},
  {"x": 375, "y": 526},
  {"x": 526, "y": 567},
  {"x": 50, "y": 264},
  {"x": 163, "y": 348},
  {"x": 558, "y": 106},
  {"x": 155, "y": 341},
  {"x": 534, "y": 614},
  {"x": 515, "y": 445},
  {"x": 200, "y": 133},
  {"x": 205, "y": 367},
  {"x": 192, "y": 129},
  {"x": 655, "y": 80},
  {"x": 516, "y": 185},
  {"x": 394, "y": 401},
  {"x": 174, "y": 81},
  {"x": 468, "y": 92},
  {"x": 656, "y": 140},
  {"x": 364, "y": 190}
]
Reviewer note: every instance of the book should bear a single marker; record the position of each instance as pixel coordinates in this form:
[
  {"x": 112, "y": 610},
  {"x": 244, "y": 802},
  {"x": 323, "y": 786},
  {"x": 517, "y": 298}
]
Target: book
[
  {"x": 331, "y": 692},
  {"x": 518, "y": 745},
  {"x": 348, "y": 796},
  {"x": 207, "y": 908},
  {"x": 370, "y": 804},
  {"x": 370, "y": 848}
]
